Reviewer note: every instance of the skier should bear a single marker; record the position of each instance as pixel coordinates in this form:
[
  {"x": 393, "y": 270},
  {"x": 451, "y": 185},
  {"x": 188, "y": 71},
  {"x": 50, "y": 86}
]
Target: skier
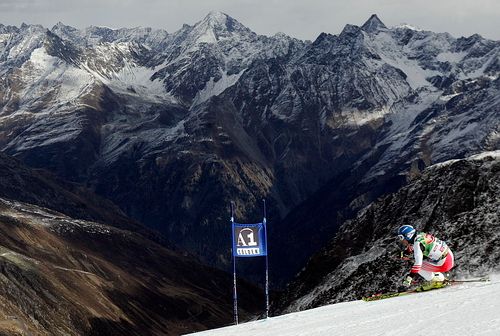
[{"x": 438, "y": 256}]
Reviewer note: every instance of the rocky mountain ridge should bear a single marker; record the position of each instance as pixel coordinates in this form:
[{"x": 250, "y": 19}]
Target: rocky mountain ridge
[{"x": 455, "y": 200}]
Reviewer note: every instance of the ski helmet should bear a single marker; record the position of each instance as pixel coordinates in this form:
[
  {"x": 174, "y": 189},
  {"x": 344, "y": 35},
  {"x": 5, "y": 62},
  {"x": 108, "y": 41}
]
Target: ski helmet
[{"x": 406, "y": 232}]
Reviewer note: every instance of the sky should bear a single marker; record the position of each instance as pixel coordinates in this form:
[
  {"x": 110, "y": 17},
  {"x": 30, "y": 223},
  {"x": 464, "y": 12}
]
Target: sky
[{"x": 304, "y": 19}]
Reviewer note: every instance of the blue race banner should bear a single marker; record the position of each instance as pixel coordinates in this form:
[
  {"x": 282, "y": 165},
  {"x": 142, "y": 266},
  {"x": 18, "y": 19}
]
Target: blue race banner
[{"x": 249, "y": 240}]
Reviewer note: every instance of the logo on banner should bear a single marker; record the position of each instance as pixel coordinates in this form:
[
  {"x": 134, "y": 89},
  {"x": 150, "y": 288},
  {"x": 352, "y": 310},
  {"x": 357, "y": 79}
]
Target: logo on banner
[{"x": 249, "y": 240}]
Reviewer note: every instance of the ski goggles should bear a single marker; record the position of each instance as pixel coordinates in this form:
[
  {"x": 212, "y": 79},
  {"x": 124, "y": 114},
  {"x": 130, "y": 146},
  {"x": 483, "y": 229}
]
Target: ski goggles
[{"x": 406, "y": 236}]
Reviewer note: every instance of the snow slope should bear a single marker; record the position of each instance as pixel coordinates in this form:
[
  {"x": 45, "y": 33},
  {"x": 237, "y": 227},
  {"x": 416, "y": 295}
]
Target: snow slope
[{"x": 466, "y": 309}]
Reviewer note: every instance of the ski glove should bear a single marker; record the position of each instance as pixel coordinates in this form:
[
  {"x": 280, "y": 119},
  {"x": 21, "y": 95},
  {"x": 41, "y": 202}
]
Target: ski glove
[{"x": 407, "y": 281}]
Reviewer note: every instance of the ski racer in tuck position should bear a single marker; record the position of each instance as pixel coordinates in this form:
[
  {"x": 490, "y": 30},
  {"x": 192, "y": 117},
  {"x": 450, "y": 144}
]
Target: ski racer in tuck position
[{"x": 432, "y": 255}]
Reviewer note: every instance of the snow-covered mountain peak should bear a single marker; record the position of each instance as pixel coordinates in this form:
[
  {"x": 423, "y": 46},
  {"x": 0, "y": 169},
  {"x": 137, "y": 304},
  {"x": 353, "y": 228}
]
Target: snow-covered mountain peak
[
  {"x": 217, "y": 26},
  {"x": 281, "y": 36},
  {"x": 67, "y": 32},
  {"x": 93, "y": 35},
  {"x": 99, "y": 34},
  {"x": 216, "y": 17},
  {"x": 18, "y": 43},
  {"x": 350, "y": 29},
  {"x": 59, "y": 25},
  {"x": 373, "y": 24},
  {"x": 408, "y": 26},
  {"x": 30, "y": 28},
  {"x": 8, "y": 29},
  {"x": 61, "y": 29}
]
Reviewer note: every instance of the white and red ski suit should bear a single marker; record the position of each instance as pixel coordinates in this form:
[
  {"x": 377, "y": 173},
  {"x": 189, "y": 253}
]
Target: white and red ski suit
[{"x": 438, "y": 256}]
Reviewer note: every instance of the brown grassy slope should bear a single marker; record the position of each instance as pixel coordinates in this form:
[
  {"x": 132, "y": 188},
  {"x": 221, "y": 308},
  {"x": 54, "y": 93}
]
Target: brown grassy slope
[{"x": 73, "y": 277}]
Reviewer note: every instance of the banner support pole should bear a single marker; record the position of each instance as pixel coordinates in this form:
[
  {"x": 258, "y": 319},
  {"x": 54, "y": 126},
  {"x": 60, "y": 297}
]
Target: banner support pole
[
  {"x": 267, "y": 261},
  {"x": 235, "y": 292}
]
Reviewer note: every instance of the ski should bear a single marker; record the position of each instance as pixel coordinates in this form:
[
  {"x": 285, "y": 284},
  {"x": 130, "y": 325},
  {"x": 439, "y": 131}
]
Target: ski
[
  {"x": 424, "y": 288},
  {"x": 453, "y": 281},
  {"x": 419, "y": 289}
]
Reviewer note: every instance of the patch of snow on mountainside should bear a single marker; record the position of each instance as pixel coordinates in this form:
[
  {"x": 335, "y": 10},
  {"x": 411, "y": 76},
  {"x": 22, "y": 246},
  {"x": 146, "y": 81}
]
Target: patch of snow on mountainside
[
  {"x": 480, "y": 56},
  {"x": 446, "y": 98},
  {"x": 476, "y": 66},
  {"x": 46, "y": 76},
  {"x": 399, "y": 134},
  {"x": 460, "y": 310},
  {"x": 467, "y": 130},
  {"x": 215, "y": 88},
  {"x": 123, "y": 75},
  {"x": 48, "y": 129},
  {"x": 452, "y": 57},
  {"x": 23, "y": 43},
  {"x": 205, "y": 36},
  {"x": 133, "y": 79},
  {"x": 4, "y": 37},
  {"x": 117, "y": 140},
  {"x": 391, "y": 53},
  {"x": 357, "y": 117}
]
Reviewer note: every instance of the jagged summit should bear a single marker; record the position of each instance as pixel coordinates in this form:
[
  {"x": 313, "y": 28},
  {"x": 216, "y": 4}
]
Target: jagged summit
[
  {"x": 220, "y": 23},
  {"x": 64, "y": 30},
  {"x": 350, "y": 29},
  {"x": 59, "y": 24},
  {"x": 215, "y": 27},
  {"x": 408, "y": 26},
  {"x": 8, "y": 29},
  {"x": 31, "y": 27},
  {"x": 100, "y": 29},
  {"x": 216, "y": 17},
  {"x": 373, "y": 24}
]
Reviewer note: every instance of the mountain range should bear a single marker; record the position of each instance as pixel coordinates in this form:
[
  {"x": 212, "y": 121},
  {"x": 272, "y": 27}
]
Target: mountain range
[{"x": 172, "y": 127}]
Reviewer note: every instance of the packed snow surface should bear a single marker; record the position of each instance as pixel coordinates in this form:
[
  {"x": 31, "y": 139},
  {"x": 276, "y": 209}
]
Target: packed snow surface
[{"x": 464, "y": 309}]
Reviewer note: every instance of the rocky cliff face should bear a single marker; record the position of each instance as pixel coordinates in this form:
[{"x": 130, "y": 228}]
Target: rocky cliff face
[
  {"x": 172, "y": 126},
  {"x": 458, "y": 201}
]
